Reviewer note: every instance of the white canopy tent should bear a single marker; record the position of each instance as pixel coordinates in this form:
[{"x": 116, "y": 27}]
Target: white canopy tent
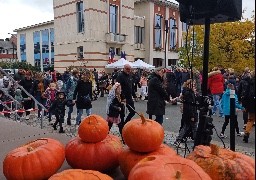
[
  {"x": 142, "y": 65},
  {"x": 120, "y": 64}
]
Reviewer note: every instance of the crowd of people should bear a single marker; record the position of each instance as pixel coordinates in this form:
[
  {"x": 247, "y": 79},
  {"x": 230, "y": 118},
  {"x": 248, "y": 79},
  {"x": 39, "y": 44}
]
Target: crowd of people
[{"x": 123, "y": 87}]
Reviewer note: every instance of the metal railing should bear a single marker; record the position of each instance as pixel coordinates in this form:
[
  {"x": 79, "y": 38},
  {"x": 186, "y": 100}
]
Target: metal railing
[{"x": 27, "y": 93}]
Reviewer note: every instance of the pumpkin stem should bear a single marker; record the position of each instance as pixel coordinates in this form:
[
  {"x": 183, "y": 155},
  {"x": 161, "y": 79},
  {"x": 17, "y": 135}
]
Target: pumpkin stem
[
  {"x": 29, "y": 148},
  {"x": 142, "y": 118},
  {"x": 178, "y": 175},
  {"x": 215, "y": 149}
]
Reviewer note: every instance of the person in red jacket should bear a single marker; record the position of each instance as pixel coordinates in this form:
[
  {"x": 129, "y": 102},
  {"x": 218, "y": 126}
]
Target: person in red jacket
[{"x": 216, "y": 87}]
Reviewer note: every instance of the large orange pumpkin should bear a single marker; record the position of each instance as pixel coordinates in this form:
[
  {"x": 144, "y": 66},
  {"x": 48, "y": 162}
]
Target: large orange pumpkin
[
  {"x": 159, "y": 167},
  {"x": 38, "y": 159},
  {"x": 76, "y": 174},
  {"x": 223, "y": 163},
  {"x": 129, "y": 158},
  {"x": 143, "y": 135},
  {"x": 93, "y": 129},
  {"x": 101, "y": 156}
]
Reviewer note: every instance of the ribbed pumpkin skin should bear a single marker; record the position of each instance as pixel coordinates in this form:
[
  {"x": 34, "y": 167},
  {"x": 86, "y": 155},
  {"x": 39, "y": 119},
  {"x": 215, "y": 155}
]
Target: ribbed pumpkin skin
[
  {"x": 159, "y": 167},
  {"x": 226, "y": 164},
  {"x": 101, "y": 156},
  {"x": 93, "y": 129},
  {"x": 78, "y": 174},
  {"x": 45, "y": 158},
  {"x": 129, "y": 158},
  {"x": 143, "y": 137}
]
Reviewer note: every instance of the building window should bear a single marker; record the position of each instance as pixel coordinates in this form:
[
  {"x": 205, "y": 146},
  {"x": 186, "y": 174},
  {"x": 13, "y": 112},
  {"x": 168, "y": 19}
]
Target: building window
[
  {"x": 184, "y": 27},
  {"x": 23, "y": 55},
  {"x": 80, "y": 52},
  {"x": 45, "y": 48},
  {"x": 37, "y": 54},
  {"x": 113, "y": 18},
  {"x": 52, "y": 45},
  {"x": 157, "y": 62},
  {"x": 172, "y": 62},
  {"x": 139, "y": 35},
  {"x": 158, "y": 31},
  {"x": 80, "y": 16},
  {"x": 173, "y": 29}
]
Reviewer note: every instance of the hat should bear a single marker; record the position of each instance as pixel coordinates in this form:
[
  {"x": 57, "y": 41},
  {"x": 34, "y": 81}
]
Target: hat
[{"x": 60, "y": 92}]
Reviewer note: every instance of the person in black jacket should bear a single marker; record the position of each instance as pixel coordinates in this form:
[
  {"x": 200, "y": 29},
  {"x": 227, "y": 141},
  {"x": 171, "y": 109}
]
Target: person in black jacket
[
  {"x": 83, "y": 96},
  {"x": 125, "y": 79},
  {"x": 157, "y": 96},
  {"x": 115, "y": 107},
  {"x": 189, "y": 115},
  {"x": 58, "y": 109}
]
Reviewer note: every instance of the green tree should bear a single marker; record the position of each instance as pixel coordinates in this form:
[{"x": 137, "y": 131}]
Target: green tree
[{"x": 232, "y": 45}]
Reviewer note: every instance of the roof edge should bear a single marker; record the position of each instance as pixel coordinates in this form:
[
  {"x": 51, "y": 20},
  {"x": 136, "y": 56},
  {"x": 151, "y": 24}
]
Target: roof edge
[{"x": 35, "y": 25}]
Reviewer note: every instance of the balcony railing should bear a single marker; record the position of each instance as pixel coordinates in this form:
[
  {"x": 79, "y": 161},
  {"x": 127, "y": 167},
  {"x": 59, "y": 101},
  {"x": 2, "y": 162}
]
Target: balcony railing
[{"x": 113, "y": 38}]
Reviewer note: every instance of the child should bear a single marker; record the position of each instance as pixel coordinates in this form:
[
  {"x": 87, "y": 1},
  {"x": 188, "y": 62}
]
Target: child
[
  {"x": 225, "y": 105},
  {"x": 115, "y": 107},
  {"x": 58, "y": 109},
  {"x": 50, "y": 94},
  {"x": 144, "y": 86},
  {"x": 18, "y": 97},
  {"x": 189, "y": 115}
]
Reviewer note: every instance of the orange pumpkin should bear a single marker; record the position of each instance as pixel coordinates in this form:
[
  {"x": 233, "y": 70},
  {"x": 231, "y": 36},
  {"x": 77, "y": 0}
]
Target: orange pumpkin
[
  {"x": 38, "y": 159},
  {"x": 129, "y": 158},
  {"x": 99, "y": 156},
  {"x": 166, "y": 167},
  {"x": 93, "y": 129},
  {"x": 223, "y": 163},
  {"x": 143, "y": 135},
  {"x": 73, "y": 174}
]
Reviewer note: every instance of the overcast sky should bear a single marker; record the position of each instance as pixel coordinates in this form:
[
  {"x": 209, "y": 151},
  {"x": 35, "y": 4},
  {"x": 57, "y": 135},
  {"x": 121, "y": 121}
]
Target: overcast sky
[{"x": 20, "y": 13}]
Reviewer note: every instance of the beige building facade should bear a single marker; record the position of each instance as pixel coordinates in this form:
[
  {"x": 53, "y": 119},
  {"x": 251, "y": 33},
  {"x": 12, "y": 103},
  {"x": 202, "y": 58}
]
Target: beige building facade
[{"x": 92, "y": 33}]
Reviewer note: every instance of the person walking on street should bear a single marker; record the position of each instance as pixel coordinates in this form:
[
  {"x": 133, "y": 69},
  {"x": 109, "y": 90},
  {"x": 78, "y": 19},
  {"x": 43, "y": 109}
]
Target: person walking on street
[
  {"x": 249, "y": 106},
  {"x": 70, "y": 88},
  {"x": 126, "y": 81},
  {"x": 157, "y": 96},
  {"x": 216, "y": 86},
  {"x": 83, "y": 96},
  {"x": 225, "y": 105}
]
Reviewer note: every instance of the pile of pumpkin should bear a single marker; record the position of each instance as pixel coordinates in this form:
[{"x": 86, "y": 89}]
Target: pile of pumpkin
[{"x": 94, "y": 152}]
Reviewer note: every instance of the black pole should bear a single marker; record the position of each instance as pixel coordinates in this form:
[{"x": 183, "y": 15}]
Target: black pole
[
  {"x": 232, "y": 120},
  {"x": 200, "y": 134},
  {"x": 165, "y": 45}
]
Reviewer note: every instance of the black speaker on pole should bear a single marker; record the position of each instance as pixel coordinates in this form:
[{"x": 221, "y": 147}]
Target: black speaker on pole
[{"x": 218, "y": 11}]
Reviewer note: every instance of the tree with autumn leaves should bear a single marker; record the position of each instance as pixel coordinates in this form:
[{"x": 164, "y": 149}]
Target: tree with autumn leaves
[{"x": 232, "y": 45}]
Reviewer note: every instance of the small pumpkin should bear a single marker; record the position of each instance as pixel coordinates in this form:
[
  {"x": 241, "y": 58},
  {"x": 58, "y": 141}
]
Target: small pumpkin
[
  {"x": 101, "y": 156},
  {"x": 166, "y": 167},
  {"x": 75, "y": 174},
  {"x": 93, "y": 129},
  {"x": 38, "y": 159},
  {"x": 143, "y": 135},
  {"x": 222, "y": 163},
  {"x": 129, "y": 158}
]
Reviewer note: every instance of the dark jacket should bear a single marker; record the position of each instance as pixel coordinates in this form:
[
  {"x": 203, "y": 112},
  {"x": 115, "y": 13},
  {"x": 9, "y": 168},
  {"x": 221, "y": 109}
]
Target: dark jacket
[
  {"x": 58, "y": 107},
  {"x": 126, "y": 82},
  {"x": 28, "y": 86},
  {"x": 114, "y": 108},
  {"x": 246, "y": 94},
  {"x": 156, "y": 96},
  {"x": 83, "y": 89},
  {"x": 189, "y": 106}
]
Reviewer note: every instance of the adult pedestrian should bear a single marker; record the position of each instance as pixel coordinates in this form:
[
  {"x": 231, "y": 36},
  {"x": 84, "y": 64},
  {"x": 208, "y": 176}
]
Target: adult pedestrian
[
  {"x": 27, "y": 84},
  {"x": 70, "y": 89},
  {"x": 126, "y": 81},
  {"x": 157, "y": 95},
  {"x": 249, "y": 102},
  {"x": 216, "y": 86},
  {"x": 83, "y": 96}
]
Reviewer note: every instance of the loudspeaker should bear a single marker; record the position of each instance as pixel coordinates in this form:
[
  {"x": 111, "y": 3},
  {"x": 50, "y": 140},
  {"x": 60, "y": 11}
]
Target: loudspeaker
[{"x": 218, "y": 11}]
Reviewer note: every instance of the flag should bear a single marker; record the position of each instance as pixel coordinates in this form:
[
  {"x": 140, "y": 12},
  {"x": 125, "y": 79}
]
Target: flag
[{"x": 111, "y": 56}]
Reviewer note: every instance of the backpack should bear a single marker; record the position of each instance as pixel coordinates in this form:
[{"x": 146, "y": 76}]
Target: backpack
[{"x": 250, "y": 90}]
